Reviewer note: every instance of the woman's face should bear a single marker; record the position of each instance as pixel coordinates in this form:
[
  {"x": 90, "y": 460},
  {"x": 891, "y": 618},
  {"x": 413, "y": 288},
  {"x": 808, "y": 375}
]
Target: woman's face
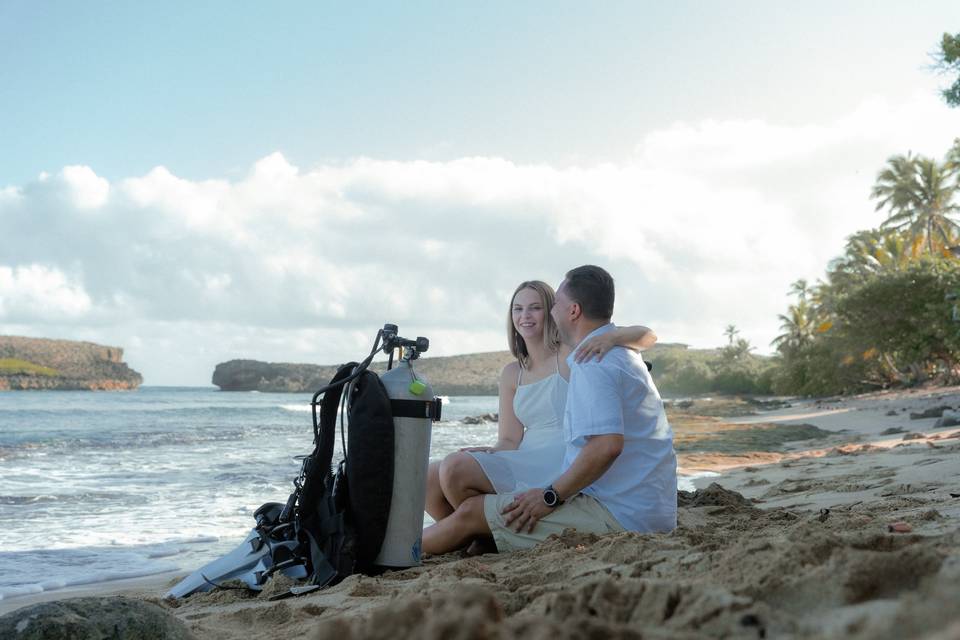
[{"x": 529, "y": 314}]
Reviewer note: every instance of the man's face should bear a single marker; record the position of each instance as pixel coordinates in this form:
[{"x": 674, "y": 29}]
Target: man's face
[{"x": 561, "y": 315}]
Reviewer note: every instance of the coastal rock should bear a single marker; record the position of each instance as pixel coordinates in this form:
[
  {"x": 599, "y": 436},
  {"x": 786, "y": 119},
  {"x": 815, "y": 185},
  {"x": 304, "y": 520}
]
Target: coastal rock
[
  {"x": 948, "y": 419},
  {"x": 116, "y": 618},
  {"x": 487, "y": 417},
  {"x": 40, "y": 363},
  {"x": 935, "y": 412}
]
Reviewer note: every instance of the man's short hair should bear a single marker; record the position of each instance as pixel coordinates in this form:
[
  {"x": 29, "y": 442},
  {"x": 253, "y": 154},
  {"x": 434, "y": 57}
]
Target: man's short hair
[{"x": 592, "y": 288}]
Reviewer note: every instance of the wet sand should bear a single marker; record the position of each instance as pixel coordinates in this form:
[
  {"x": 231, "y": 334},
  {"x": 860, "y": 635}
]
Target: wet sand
[{"x": 793, "y": 540}]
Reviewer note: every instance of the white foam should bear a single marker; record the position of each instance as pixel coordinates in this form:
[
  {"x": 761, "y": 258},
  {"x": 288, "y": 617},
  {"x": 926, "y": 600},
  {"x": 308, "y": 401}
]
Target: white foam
[
  {"x": 686, "y": 482},
  {"x": 296, "y": 408}
]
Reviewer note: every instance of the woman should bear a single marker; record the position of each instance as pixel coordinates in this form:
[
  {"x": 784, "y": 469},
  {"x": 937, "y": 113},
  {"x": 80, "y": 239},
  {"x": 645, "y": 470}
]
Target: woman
[{"x": 533, "y": 391}]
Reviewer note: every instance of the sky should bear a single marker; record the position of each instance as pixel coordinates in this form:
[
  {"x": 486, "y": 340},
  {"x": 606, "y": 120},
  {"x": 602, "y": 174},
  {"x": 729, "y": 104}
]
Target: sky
[{"x": 197, "y": 182}]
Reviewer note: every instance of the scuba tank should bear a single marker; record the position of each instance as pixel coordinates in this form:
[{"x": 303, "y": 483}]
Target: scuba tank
[
  {"x": 401, "y": 544},
  {"x": 414, "y": 411}
]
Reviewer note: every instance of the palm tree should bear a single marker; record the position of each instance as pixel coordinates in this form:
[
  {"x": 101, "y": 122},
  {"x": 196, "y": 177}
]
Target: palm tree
[
  {"x": 800, "y": 288},
  {"x": 797, "y": 326},
  {"x": 731, "y": 332},
  {"x": 919, "y": 193}
]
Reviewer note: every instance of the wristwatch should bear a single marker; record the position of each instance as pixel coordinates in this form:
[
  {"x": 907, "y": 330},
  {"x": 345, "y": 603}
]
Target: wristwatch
[{"x": 551, "y": 498}]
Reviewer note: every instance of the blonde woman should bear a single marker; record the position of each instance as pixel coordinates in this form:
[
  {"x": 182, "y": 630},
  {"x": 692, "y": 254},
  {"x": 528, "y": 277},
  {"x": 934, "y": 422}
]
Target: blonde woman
[{"x": 533, "y": 392}]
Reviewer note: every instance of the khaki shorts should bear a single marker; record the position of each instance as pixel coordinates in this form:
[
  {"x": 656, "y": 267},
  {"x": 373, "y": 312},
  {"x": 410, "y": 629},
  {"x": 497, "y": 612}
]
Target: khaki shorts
[{"x": 583, "y": 513}]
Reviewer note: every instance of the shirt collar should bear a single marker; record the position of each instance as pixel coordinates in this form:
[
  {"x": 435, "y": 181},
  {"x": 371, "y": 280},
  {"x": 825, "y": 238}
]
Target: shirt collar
[{"x": 596, "y": 332}]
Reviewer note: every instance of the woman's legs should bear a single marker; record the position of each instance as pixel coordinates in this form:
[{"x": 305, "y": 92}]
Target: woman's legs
[
  {"x": 462, "y": 477},
  {"x": 437, "y": 505},
  {"x": 457, "y": 530}
]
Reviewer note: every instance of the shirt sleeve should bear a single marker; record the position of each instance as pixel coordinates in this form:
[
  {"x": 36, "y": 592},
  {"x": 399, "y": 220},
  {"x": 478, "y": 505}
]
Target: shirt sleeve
[{"x": 594, "y": 405}]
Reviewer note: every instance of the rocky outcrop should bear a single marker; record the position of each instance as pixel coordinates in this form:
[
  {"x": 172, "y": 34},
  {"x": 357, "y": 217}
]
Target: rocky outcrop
[
  {"x": 40, "y": 363},
  {"x": 254, "y": 375},
  {"x": 471, "y": 374}
]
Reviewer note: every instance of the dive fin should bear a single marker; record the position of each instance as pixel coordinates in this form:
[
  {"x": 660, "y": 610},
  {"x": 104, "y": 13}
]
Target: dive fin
[{"x": 250, "y": 562}]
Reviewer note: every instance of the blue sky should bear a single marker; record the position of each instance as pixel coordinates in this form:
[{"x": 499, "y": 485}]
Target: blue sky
[
  {"x": 206, "y": 87},
  {"x": 164, "y": 165}
]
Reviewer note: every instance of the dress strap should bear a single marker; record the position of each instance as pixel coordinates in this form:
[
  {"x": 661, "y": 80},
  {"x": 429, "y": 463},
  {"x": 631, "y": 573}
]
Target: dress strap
[
  {"x": 520, "y": 373},
  {"x": 558, "y": 360}
]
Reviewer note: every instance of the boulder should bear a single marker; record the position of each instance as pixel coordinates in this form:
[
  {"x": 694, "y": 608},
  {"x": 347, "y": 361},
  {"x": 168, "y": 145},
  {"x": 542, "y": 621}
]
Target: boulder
[
  {"x": 935, "y": 412},
  {"x": 115, "y": 618}
]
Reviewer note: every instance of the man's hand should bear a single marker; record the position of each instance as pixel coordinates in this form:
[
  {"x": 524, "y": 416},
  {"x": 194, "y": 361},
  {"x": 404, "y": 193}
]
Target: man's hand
[{"x": 526, "y": 510}]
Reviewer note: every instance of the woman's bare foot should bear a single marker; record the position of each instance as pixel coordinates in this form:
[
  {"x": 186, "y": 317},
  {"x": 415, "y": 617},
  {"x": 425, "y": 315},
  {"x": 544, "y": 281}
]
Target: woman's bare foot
[{"x": 480, "y": 546}]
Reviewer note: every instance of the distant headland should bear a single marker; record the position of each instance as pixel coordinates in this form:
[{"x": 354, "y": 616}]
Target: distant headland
[
  {"x": 472, "y": 374},
  {"x": 464, "y": 375},
  {"x": 41, "y": 363}
]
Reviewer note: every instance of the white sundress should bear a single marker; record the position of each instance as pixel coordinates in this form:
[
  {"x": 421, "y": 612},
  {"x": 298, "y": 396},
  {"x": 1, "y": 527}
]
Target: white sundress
[{"x": 537, "y": 462}]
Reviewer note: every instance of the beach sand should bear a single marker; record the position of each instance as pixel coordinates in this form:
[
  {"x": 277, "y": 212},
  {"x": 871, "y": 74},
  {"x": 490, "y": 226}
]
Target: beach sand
[{"x": 792, "y": 540}]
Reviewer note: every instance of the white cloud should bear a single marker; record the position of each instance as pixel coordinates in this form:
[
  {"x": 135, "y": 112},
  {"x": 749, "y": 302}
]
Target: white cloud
[
  {"x": 86, "y": 189},
  {"x": 39, "y": 292},
  {"x": 707, "y": 225}
]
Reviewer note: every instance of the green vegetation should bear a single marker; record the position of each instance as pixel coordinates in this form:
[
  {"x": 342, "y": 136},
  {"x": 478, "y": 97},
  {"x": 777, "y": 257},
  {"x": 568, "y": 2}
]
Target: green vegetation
[
  {"x": 948, "y": 61},
  {"x": 886, "y": 313},
  {"x": 14, "y": 366},
  {"x": 732, "y": 369}
]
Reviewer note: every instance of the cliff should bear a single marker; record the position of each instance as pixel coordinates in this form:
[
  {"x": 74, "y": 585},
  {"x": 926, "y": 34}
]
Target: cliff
[{"x": 40, "y": 363}]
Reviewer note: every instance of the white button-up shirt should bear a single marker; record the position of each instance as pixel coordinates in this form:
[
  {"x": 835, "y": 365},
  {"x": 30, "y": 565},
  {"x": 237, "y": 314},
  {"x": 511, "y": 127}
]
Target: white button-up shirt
[{"x": 617, "y": 395}]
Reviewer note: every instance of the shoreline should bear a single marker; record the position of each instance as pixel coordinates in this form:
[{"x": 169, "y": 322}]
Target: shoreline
[{"x": 796, "y": 541}]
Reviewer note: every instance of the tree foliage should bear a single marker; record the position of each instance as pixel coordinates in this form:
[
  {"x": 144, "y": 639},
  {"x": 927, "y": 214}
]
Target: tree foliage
[
  {"x": 882, "y": 316},
  {"x": 920, "y": 194},
  {"x": 886, "y": 326},
  {"x": 948, "y": 61}
]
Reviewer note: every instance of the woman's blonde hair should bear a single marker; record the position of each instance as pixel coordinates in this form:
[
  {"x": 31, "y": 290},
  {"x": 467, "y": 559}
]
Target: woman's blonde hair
[{"x": 551, "y": 336}]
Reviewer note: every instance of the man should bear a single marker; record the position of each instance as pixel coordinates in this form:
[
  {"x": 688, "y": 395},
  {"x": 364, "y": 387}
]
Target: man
[{"x": 619, "y": 472}]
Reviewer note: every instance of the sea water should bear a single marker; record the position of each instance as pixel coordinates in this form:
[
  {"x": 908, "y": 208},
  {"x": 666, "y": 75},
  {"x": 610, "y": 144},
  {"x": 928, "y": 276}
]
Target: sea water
[{"x": 101, "y": 486}]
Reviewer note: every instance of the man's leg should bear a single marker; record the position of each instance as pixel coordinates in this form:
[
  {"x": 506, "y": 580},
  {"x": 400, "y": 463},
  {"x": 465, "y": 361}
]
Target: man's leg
[
  {"x": 437, "y": 505},
  {"x": 462, "y": 477},
  {"x": 458, "y": 529}
]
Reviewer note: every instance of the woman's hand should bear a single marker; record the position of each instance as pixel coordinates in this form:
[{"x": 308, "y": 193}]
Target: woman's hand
[{"x": 596, "y": 346}]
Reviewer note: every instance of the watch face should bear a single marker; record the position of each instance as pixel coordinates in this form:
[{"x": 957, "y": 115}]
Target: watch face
[{"x": 550, "y": 497}]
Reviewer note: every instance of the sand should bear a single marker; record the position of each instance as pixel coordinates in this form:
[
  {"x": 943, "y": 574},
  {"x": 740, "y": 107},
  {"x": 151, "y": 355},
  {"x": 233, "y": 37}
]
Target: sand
[{"x": 792, "y": 542}]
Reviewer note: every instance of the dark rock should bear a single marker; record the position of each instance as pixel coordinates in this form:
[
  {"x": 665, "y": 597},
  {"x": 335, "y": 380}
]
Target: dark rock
[
  {"x": 948, "y": 419},
  {"x": 115, "y": 618},
  {"x": 892, "y": 412},
  {"x": 914, "y": 436},
  {"x": 487, "y": 417},
  {"x": 935, "y": 412},
  {"x": 892, "y": 430}
]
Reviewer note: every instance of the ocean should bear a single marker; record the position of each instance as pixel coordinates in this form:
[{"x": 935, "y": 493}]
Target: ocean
[{"x": 101, "y": 486}]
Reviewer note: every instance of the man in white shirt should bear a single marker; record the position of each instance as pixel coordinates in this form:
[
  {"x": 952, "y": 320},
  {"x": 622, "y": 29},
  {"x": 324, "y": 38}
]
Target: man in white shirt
[{"x": 619, "y": 472}]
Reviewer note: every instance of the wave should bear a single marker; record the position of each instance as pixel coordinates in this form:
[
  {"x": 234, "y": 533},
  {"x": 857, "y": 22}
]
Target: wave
[
  {"x": 147, "y": 440},
  {"x": 86, "y": 497},
  {"x": 71, "y": 567},
  {"x": 97, "y": 577},
  {"x": 295, "y": 408}
]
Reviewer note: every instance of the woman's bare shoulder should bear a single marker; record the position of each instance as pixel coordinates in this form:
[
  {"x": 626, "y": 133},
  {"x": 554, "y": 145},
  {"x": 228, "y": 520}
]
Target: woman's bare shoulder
[{"x": 511, "y": 369}]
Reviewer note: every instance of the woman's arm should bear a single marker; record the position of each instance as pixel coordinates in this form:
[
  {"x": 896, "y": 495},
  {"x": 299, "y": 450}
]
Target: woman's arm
[
  {"x": 637, "y": 338},
  {"x": 509, "y": 429}
]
